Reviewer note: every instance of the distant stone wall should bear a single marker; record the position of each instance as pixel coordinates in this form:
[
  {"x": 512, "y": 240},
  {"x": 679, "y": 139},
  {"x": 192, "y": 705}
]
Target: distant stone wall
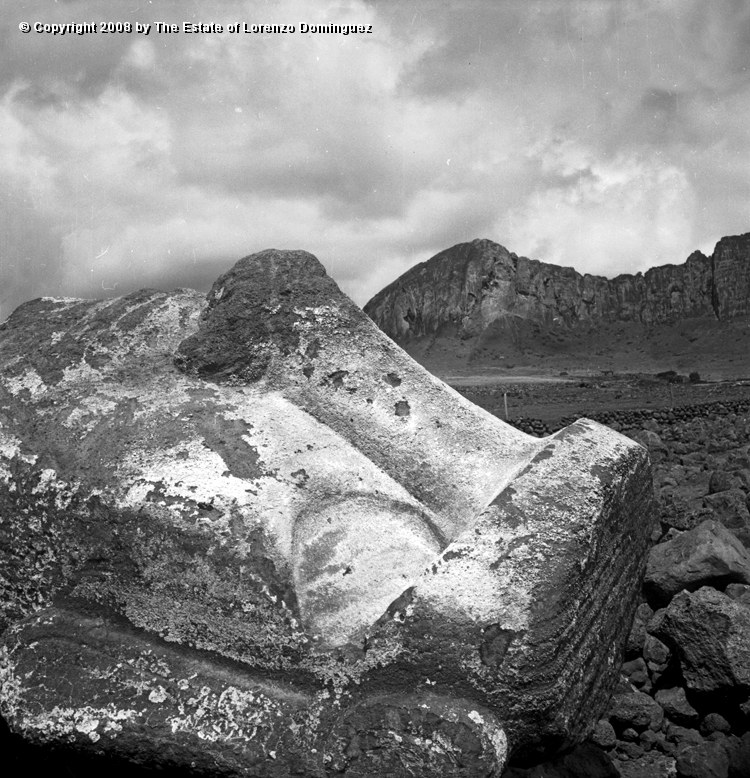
[{"x": 626, "y": 420}]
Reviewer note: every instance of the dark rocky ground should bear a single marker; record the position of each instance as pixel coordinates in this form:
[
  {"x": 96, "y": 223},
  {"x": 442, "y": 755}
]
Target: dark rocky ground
[
  {"x": 683, "y": 704},
  {"x": 716, "y": 349},
  {"x": 622, "y": 401}
]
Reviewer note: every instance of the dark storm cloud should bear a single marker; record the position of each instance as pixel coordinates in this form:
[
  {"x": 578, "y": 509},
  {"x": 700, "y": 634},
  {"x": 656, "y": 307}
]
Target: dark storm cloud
[
  {"x": 28, "y": 242},
  {"x": 48, "y": 63},
  {"x": 606, "y": 135}
]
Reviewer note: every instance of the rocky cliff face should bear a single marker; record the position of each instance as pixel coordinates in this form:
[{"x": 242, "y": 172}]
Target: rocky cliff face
[{"x": 472, "y": 285}]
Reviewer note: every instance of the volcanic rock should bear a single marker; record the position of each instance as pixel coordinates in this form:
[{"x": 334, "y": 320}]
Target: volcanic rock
[
  {"x": 635, "y": 671},
  {"x": 711, "y": 634},
  {"x": 703, "y": 760},
  {"x": 720, "y": 481},
  {"x": 604, "y": 735},
  {"x": 739, "y": 592},
  {"x": 654, "y": 651},
  {"x": 649, "y": 765},
  {"x": 637, "y": 635},
  {"x": 249, "y": 534},
  {"x": 481, "y": 287},
  {"x": 714, "y": 722},
  {"x": 738, "y": 751},
  {"x": 682, "y": 736},
  {"x": 635, "y": 709},
  {"x": 729, "y": 507},
  {"x": 676, "y": 706},
  {"x": 708, "y": 554}
]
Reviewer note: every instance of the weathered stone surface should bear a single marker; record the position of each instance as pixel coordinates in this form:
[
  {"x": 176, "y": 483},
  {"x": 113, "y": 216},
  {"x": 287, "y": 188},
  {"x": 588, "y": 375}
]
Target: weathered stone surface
[
  {"x": 637, "y": 635},
  {"x": 729, "y": 507},
  {"x": 708, "y": 554},
  {"x": 676, "y": 706},
  {"x": 739, "y": 593},
  {"x": 272, "y": 538},
  {"x": 636, "y": 672},
  {"x": 655, "y": 652},
  {"x": 475, "y": 286},
  {"x": 731, "y": 276},
  {"x": 738, "y": 751},
  {"x": 604, "y": 735},
  {"x": 682, "y": 736},
  {"x": 160, "y": 706},
  {"x": 650, "y": 765},
  {"x": 627, "y": 749},
  {"x": 635, "y": 709},
  {"x": 705, "y": 760},
  {"x": 714, "y": 722},
  {"x": 720, "y": 481},
  {"x": 710, "y": 633}
]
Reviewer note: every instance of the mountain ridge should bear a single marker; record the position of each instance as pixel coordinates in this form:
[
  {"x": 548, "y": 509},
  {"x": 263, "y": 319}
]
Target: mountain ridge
[
  {"x": 718, "y": 285},
  {"x": 479, "y": 298}
]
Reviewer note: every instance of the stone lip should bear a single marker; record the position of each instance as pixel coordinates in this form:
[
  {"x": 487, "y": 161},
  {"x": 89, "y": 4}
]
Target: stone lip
[{"x": 262, "y": 488}]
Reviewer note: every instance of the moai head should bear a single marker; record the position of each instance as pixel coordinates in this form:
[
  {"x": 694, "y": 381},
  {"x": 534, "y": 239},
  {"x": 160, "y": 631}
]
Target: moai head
[{"x": 248, "y": 531}]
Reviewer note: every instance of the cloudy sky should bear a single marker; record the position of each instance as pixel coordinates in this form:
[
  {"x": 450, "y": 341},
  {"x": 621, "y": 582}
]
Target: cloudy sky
[{"x": 610, "y": 136}]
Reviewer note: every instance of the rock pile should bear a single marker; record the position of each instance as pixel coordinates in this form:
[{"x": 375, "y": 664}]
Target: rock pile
[{"x": 683, "y": 704}]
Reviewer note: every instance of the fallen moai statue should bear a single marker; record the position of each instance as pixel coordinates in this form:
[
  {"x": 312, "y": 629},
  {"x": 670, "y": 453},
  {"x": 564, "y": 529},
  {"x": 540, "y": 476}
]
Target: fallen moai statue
[{"x": 248, "y": 535}]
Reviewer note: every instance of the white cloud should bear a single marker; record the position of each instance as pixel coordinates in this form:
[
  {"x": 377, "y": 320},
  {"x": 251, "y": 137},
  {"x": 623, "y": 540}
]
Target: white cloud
[
  {"x": 608, "y": 136},
  {"x": 605, "y": 217}
]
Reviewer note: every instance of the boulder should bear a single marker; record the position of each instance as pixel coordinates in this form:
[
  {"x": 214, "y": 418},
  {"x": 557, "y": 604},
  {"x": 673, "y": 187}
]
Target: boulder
[
  {"x": 637, "y": 634},
  {"x": 676, "y": 706},
  {"x": 703, "y": 760},
  {"x": 720, "y": 481},
  {"x": 249, "y": 534},
  {"x": 604, "y": 735},
  {"x": 739, "y": 593},
  {"x": 710, "y": 634},
  {"x": 714, "y": 722},
  {"x": 729, "y": 507},
  {"x": 636, "y": 672},
  {"x": 708, "y": 554},
  {"x": 650, "y": 765},
  {"x": 742, "y": 475},
  {"x": 648, "y": 439},
  {"x": 635, "y": 709},
  {"x": 738, "y": 751},
  {"x": 682, "y": 736},
  {"x": 655, "y": 652},
  {"x": 627, "y": 749}
]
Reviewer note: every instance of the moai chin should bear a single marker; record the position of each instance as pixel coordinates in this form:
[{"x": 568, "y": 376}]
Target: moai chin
[{"x": 248, "y": 532}]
